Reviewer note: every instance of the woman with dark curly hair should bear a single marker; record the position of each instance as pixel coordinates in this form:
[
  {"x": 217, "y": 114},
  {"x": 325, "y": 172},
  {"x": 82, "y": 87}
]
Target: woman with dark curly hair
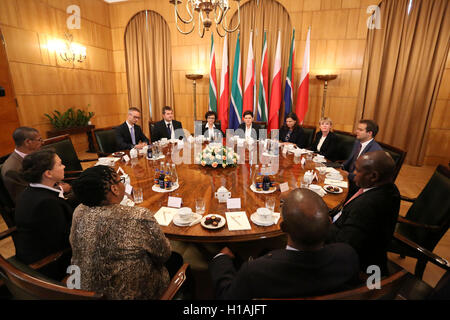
[
  {"x": 291, "y": 132},
  {"x": 43, "y": 217},
  {"x": 121, "y": 250},
  {"x": 210, "y": 130}
]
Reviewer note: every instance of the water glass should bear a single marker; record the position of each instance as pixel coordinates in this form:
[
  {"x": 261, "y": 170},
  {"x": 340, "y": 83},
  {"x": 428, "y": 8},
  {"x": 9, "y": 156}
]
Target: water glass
[
  {"x": 138, "y": 195},
  {"x": 305, "y": 182},
  {"x": 270, "y": 203},
  {"x": 200, "y": 206}
]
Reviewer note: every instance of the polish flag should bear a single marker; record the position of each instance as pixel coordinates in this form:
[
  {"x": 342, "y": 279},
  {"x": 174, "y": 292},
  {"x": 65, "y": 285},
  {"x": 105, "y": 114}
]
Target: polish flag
[
  {"x": 249, "y": 79},
  {"x": 224, "y": 88},
  {"x": 303, "y": 89},
  {"x": 275, "y": 94}
]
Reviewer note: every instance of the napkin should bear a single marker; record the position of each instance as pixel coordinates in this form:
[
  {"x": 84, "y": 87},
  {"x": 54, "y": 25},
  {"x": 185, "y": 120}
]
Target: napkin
[
  {"x": 107, "y": 161},
  {"x": 127, "y": 201},
  {"x": 276, "y": 217},
  {"x": 237, "y": 221},
  {"x": 342, "y": 184},
  {"x": 165, "y": 215},
  {"x": 317, "y": 189},
  {"x": 331, "y": 170}
]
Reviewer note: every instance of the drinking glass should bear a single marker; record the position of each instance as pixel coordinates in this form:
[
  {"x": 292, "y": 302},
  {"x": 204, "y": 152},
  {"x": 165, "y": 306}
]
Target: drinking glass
[
  {"x": 270, "y": 203},
  {"x": 304, "y": 182},
  {"x": 200, "y": 206},
  {"x": 138, "y": 195}
]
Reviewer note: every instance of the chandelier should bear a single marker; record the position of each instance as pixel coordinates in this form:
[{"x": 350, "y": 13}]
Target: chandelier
[
  {"x": 204, "y": 8},
  {"x": 68, "y": 50}
]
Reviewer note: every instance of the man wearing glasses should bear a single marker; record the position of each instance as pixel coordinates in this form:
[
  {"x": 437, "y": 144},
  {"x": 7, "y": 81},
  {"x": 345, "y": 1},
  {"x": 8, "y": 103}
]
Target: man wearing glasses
[
  {"x": 129, "y": 134},
  {"x": 27, "y": 140}
]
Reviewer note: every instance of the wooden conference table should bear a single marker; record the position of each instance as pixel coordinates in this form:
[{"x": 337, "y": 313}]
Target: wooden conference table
[{"x": 202, "y": 182}]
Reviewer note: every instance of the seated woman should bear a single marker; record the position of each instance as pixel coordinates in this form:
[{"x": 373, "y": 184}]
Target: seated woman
[
  {"x": 43, "y": 217},
  {"x": 120, "y": 250},
  {"x": 209, "y": 130},
  {"x": 291, "y": 132},
  {"x": 325, "y": 141},
  {"x": 248, "y": 129}
]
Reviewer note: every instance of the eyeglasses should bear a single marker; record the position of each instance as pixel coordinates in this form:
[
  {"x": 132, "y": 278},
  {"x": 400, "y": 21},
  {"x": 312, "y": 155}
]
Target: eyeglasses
[{"x": 122, "y": 179}]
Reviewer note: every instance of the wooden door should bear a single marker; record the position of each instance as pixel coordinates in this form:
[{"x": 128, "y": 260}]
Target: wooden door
[{"x": 9, "y": 120}]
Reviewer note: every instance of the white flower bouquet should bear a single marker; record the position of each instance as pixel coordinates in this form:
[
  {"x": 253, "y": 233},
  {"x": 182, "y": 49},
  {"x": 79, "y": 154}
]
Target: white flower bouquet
[{"x": 217, "y": 156}]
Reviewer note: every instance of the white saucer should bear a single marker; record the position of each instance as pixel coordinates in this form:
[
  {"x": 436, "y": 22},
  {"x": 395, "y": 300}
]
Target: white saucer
[
  {"x": 209, "y": 226},
  {"x": 252, "y": 187},
  {"x": 158, "y": 189},
  {"x": 183, "y": 223},
  {"x": 257, "y": 220}
]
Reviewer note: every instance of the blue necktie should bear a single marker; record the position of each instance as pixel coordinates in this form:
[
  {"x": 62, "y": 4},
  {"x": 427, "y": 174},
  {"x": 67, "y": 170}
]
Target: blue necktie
[
  {"x": 169, "y": 131},
  {"x": 133, "y": 138}
]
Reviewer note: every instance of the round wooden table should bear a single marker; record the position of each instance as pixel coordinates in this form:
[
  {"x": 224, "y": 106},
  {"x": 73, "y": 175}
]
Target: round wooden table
[{"x": 202, "y": 182}]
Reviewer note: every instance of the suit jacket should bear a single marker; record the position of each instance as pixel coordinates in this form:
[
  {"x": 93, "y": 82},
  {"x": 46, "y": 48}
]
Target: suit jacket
[
  {"x": 240, "y": 131},
  {"x": 205, "y": 132},
  {"x": 286, "y": 273},
  {"x": 349, "y": 164},
  {"x": 12, "y": 176},
  {"x": 123, "y": 136},
  {"x": 297, "y": 137},
  {"x": 43, "y": 224},
  {"x": 328, "y": 146},
  {"x": 160, "y": 130},
  {"x": 367, "y": 224}
]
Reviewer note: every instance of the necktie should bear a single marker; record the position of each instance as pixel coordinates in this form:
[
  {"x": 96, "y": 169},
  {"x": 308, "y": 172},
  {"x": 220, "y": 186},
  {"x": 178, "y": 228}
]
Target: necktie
[
  {"x": 169, "y": 130},
  {"x": 355, "y": 157},
  {"x": 358, "y": 193},
  {"x": 133, "y": 137}
]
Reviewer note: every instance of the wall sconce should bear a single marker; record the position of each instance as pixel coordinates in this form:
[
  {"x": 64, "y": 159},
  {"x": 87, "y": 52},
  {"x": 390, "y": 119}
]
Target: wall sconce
[
  {"x": 325, "y": 78},
  {"x": 68, "y": 50},
  {"x": 194, "y": 77}
]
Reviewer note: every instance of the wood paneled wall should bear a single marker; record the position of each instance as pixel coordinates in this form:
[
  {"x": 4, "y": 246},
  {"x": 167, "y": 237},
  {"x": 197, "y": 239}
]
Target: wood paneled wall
[{"x": 44, "y": 83}]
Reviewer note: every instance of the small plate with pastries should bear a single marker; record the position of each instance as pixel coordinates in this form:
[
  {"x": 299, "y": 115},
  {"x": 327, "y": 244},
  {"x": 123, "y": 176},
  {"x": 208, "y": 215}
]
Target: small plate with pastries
[
  {"x": 213, "y": 221},
  {"x": 333, "y": 189}
]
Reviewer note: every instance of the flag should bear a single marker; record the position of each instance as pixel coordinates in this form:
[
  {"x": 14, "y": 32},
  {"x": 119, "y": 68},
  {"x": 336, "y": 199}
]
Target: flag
[
  {"x": 223, "y": 102},
  {"x": 263, "y": 84},
  {"x": 236, "y": 90},
  {"x": 288, "y": 92},
  {"x": 249, "y": 79},
  {"x": 212, "y": 78},
  {"x": 275, "y": 92},
  {"x": 303, "y": 89}
]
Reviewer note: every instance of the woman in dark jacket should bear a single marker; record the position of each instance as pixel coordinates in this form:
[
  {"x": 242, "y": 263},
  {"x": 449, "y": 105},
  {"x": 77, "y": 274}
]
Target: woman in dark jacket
[
  {"x": 325, "y": 141},
  {"x": 291, "y": 132}
]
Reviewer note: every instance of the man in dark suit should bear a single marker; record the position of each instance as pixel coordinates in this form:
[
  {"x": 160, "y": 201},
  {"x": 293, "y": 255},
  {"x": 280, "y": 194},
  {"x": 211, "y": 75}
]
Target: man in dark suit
[
  {"x": 248, "y": 129},
  {"x": 368, "y": 218},
  {"x": 27, "y": 140},
  {"x": 305, "y": 267},
  {"x": 167, "y": 127},
  {"x": 129, "y": 134}
]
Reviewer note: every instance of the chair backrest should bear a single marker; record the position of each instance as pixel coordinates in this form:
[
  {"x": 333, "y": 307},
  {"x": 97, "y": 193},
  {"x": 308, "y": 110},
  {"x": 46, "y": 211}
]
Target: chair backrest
[
  {"x": 3, "y": 158},
  {"x": 6, "y": 204},
  {"x": 65, "y": 150},
  {"x": 310, "y": 132},
  {"x": 151, "y": 127},
  {"x": 345, "y": 142},
  {"x": 25, "y": 286},
  {"x": 105, "y": 140},
  {"x": 261, "y": 124},
  {"x": 218, "y": 124},
  {"x": 397, "y": 154},
  {"x": 431, "y": 207}
]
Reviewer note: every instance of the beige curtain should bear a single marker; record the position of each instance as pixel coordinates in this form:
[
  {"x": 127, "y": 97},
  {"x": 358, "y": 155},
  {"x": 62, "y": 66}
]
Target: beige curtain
[
  {"x": 149, "y": 65},
  {"x": 402, "y": 72},
  {"x": 271, "y": 16}
]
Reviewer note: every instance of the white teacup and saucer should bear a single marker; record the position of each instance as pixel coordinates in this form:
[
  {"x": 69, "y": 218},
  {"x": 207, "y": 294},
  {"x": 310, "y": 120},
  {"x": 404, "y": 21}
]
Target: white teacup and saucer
[
  {"x": 263, "y": 217},
  {"x": 185, "y": 217}
]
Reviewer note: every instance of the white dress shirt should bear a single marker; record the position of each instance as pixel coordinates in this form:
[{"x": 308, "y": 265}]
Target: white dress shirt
[
  {"x": 39, "y": 185},
  {"x": 363, "y": 146},
  {"x": 23, "y": 155},
  {"x": 248, "y": 132},
  {"x": 210, "y": 133},
  {"x": 319, "y": 145}
]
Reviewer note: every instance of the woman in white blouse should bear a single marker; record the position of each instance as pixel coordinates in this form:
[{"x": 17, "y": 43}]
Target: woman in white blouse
[
  {"x": 210, "y": 129},
  {"x": 325, "y": 141}
]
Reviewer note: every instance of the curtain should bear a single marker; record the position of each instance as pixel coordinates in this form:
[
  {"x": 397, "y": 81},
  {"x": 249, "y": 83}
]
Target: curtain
[
  {"x": 148, "y": 57},
  {"x": 403, "y": 66},
  {"x": 271, "y": 16}
]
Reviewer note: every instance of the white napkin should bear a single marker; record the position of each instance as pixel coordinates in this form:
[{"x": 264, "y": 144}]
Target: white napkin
[
  {"x": 276, "y": 217},
  {"x": 165, "y": 215},
  {"x": 317, "y": 189},
  {"x": 342, "y": 184},
  {"x": 127, "y": 201},
  {"x": 237, "y": 221},
  {"x": 107, "y": 161},
  {"x": 331, "y": 170}
]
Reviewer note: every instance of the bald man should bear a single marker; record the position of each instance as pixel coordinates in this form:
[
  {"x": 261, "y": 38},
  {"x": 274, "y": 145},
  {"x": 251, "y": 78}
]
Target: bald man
[
  {"x": 306, "y": 267},
  {"x": 368, "y": 218}
]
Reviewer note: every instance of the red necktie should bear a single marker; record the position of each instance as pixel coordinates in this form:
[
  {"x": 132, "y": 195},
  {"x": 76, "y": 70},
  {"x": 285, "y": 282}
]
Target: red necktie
[{"x": 358, "y": 193}]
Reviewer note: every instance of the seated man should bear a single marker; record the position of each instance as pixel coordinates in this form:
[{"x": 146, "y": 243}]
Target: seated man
[
  {"x": 167, "y": 126},
  {"x": 27, "y": 140},
  {"x": 368, "y": 219},
  {"x": 248, "y": 129},
  {"x": 129, "y": 135},
  {"x": 305, "y": 267}
]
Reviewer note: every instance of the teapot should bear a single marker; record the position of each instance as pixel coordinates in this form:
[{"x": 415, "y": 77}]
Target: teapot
[{"x": 222, "y": 194}]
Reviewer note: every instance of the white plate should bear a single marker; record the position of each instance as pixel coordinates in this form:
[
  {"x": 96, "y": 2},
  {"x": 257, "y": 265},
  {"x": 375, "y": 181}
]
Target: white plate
[
  {"x": 325, "y": 188},
  {"x": 154, "y": 159},
  {"x": 118, "y": 154},
  {"x": 158, "y": 189},
  {"x": 183, "y": 223},
  {"x": 258, "y": 221},
  {"x": 209, "y": 226},
  {"x": 253, "y": 188}
]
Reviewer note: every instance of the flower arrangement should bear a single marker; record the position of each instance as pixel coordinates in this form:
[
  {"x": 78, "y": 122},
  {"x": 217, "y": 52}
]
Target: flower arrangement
[{"x": 216, "y": 156}]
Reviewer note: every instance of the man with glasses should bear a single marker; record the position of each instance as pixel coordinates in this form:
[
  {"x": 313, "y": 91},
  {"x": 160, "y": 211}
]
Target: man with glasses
[
  {"x": 27, "y": 140},
  {"x": 129, "y": 134}
]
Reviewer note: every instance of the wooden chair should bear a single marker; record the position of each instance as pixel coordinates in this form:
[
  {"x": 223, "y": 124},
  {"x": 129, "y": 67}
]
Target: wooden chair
[
  {"x": 151, "y": 126},
  {"x": 104, "y": 141},
  {"x": 427, "y": 220},
  {"x": 261, "y": 124},
  {"x": 397, "y": 154},
  {"x": 345, "y": 142},
  {"x": 65, "y": 150},
  {"x": 310, "y": 133},
  {"x": 3, "y": 158}
]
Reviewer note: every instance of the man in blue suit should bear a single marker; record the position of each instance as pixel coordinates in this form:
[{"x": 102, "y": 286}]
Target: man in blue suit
[{"x": 365, "y": 135}]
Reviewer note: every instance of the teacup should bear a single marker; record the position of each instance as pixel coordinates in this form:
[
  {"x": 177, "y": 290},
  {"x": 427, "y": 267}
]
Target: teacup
[
  {"x": 264, "y": 213},
  {"x": 185, "y": 213},
  {"x": 164, "y": 140}
]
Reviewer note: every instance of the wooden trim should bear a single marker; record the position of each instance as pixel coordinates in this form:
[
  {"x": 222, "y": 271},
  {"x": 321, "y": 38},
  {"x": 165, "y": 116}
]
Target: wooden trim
[
  {"x": 176, "y": 283},
  {"x": 7, "y": 233},
  {"x": 73, "y": 130},
  {"x": 418, "y": 225}
]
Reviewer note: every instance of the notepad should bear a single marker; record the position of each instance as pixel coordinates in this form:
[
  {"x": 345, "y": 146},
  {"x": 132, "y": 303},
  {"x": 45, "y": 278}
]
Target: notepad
[
  {"x": 237, "y": 221},
  {"x": 165, "y": 215}
]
